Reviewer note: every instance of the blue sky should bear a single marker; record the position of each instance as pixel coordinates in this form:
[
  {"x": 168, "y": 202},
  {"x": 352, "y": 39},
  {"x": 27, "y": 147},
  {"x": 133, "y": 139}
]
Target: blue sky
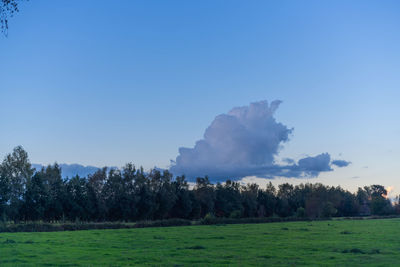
[{"x": 101, "y": 83}]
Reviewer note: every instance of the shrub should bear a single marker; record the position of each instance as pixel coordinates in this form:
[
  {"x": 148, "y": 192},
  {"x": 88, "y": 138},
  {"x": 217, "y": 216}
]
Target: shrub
[
  {"x": 300, "y": 212},
  {"x": 236, "y": 214},
  {"x": 210, "y": 219},
  {"x": 162, "y": 223}
]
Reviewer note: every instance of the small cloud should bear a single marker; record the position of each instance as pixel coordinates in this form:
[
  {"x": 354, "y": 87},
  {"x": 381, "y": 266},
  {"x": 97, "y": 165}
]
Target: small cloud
[
  {"x": 341, "y": 163},
  {"x": 317, "y": 164}
]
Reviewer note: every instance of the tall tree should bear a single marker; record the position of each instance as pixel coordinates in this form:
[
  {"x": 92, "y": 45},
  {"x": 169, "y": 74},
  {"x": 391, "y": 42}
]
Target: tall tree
[
  {"x": 267, "y": 201},
  {"x": 56, "y": 194},
  {"x": 77, "y": 199},
  {"x": 285, "y": 200},
  {"x": 249, "y": 198},
  {"x": 228, "y": 200},
  {"x": 35, "y": 198},
  {"x": 183, "y": 205},
  {"x": 164, "y": 193},
  {"x": 380, "y": 205},
  {"x": 96, "y": 202},
  {"x": 144, "y": 197},
  {"x": 16, "y": 171},
  {"x": 205, "y": 195}
]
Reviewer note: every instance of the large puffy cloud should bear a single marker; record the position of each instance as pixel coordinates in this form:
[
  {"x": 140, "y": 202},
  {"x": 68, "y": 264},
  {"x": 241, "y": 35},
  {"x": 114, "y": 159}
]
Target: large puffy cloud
[{"x": 245, "y": 142}]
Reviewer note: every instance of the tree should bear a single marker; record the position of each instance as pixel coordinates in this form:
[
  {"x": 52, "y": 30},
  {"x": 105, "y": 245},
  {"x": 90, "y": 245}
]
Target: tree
[
  {"x": 380, "y": 205},
  {"x": 4, "y": 191},
  {"x": 7, "y": 9},
  {"x": 77, "y": 199},
  {"x": 35, "y": 198},
  {"x": 115, "y": 196},
  {"x": 144, "y": 197},
  {"x": 128, "y": 198},
  {"x": 228, "y": 199},
  {"x": 130, "y": 194},
  {"x": 267, "y": 201},
  {"x": 183, "y": 205},
  {"x": 285, "y": 203},
  {"x": 96, "y": 203},
  {"x": 249, "y": 199},
  {"x": 328, "y": 210},
  {"x": 205, "y": 195},
  {"x": 363, "y": 200},
  {"x": 164, "y": 193},
  {"x": 16, "y": 171},
  {"x": 55, "y": 193}
]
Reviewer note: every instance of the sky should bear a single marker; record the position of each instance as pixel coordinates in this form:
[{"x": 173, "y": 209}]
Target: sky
[{"x": 105, "y": 83}]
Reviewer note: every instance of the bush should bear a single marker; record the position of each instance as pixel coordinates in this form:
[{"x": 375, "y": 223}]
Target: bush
[
  {"x": 49, "y": 227},
  {"x": 162, "y": 223},
  {"x": 236, "y": 214},
  {"x": 210, "y": 219},
  {"x": 328, "y": 210},
  {"x": 300, "y": 212}
]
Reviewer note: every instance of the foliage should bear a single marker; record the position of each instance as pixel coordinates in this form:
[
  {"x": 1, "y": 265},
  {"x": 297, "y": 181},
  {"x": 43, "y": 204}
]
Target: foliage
[
  {"x": 7, "y": 9},
  {"x": 129, "y": 194}
]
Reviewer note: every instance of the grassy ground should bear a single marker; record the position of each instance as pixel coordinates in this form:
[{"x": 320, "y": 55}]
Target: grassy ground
[{"x": 344, "y": 243}]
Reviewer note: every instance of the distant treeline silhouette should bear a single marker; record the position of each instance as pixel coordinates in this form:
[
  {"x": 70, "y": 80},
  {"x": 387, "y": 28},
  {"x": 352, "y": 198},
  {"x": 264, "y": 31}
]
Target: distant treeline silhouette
[{"x": 130, "y": 194}]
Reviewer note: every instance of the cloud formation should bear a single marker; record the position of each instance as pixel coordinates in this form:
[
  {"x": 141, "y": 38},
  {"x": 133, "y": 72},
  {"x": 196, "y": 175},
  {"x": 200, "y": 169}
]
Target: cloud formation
[
  {"x": 245, "y": 142},
  {"x": 341, "y": 163}
]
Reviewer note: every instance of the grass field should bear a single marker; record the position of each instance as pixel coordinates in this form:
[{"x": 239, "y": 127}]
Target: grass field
[{"x": 344, "y": 243}]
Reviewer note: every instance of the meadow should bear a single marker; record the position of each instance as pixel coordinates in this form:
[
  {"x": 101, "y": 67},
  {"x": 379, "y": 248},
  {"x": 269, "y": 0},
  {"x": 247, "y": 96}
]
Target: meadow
[{"x": 334, "y": 242}]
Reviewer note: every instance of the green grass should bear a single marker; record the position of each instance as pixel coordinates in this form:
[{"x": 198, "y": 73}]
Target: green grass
[{"x": 342, "y": 242}]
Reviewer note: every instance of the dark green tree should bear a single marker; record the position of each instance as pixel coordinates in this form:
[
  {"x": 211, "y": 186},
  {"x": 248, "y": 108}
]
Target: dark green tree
[
  {"x": 16, "y": 171},
  {"x": 380, "y": 205},
  {"x": 267, "y": 201},
  {"x": 164, "y": 193},
  {"x": 96, "y": 202},
  {"x": 183, "y": 205},
  {"x": 55, "y": 193},
  {"x": 76, "y": 203},
  {"x": 249, "y": 200},
  {"x": 35, "y": 198},
  {"x": 205, "y": 195},
  {"x": 285, "y": 204},
  {"x": 228, "y": 200},
  {"x": 144, "y": 197}
]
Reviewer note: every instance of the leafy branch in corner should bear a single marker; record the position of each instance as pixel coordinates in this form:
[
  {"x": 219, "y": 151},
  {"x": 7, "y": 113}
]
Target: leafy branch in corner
[{"x": 7, "y": 9}]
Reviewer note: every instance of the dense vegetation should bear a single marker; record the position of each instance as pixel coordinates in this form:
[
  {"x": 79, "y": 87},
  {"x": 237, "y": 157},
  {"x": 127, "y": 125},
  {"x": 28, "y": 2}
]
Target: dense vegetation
[
  {"x": 323, "y": 243},
  {"x": 130, "y": 194}
]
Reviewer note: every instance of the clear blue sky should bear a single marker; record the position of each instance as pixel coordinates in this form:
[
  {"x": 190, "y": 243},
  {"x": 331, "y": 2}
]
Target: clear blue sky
[{"x": 108, "y": 82}]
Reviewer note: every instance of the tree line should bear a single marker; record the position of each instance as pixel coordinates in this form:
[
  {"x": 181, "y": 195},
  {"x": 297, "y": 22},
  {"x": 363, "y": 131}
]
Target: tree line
[{"x": 130, "y": 194}]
